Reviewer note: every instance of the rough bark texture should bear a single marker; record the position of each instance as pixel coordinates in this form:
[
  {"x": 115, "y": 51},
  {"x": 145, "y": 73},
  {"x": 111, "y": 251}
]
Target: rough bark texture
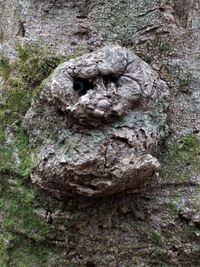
[
  {"x": 112, "y": 108},
  {"x": 157, "y": 225}
]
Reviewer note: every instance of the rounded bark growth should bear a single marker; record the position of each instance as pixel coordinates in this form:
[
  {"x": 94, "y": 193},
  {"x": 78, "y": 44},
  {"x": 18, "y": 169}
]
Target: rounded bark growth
[{"x": 98, "y": 124}]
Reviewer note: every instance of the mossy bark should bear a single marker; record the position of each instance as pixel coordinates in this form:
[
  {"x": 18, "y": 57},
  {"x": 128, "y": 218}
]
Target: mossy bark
[{"x": 157, "y": 226}]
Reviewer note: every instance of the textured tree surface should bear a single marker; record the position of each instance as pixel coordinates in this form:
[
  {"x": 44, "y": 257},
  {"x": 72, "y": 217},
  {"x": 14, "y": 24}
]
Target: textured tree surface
[
  {"x": 156, "y": 224},
  {"x": 109, "y": 112}
]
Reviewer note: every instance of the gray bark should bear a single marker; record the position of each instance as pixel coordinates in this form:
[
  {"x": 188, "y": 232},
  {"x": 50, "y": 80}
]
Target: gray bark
[{"x": 158, "y": 223}]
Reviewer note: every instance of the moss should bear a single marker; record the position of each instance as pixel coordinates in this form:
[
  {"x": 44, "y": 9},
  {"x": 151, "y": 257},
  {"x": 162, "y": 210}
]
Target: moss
[
  {"x": 160, "y": 44},
  {"x": 155, "y": 238},
  {"x": 163, "y": 47},
  {"x": 1, "y": 36},
  {"x": 39, "y": 88},
  {"x": 77, "y": 53},
  {"x": 25, "y": 239},
  {"x": 19, "y": 204},
  {"x": 17, "y": 200},
  {"x": 22, "y": 78},
  {"x": 172, "y": 207},
  {"x": 185, "y": 79},
  {"x": 25, "y": 78},
  {"x": 23, "y": 82},
  {"x": 5, "y": 67},
  {"x": 181, "y": 160},
  {"x": 34, "y": 64},
  {"x": 15, "y": 156},
  {"x": 145, "y": 57},
  {"x": 26, "y": 254},
  {"x": 2, "y": 136}
]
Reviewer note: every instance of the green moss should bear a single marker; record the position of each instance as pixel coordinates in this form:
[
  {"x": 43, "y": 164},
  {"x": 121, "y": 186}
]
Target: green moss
[
  {"x": 15, "y": 156},
  {"x": 25, "y": 254},
  {"x": 185, "y": 82},
  {"x": 163, "y": 47},
  {"x": 77, "y": 53},
  {"x": 181, "y": 160},
  {"x": 172, "y": 207},
  {"x": 185, "y": 79},
  {"x": 2, "y": 136},
  {"x": 18, "y": 204},
  {"x": 5, "y": 67},
  {"x": 27, "y": 238},
  {"x": 160, "y": 44},
  {"x": 34, "y": 64},
  {"x": 1, "y": 36},
  {"x": 155, "y": 238},
  {"x": 39, "y": 89},
  {"x": 23, "y": 79}
]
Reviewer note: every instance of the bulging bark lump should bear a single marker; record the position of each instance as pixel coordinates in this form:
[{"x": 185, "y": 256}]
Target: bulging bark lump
[{"x": 98, "y": 125}]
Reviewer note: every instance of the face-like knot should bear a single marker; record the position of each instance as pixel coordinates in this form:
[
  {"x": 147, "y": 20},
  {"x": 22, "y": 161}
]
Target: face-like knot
[
  {"x": 104, "y": 85},
  {"x": 103, "y": 116}
]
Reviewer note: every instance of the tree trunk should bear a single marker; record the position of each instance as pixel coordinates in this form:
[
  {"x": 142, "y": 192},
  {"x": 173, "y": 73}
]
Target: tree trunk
[{"x": 155, "y": 225}]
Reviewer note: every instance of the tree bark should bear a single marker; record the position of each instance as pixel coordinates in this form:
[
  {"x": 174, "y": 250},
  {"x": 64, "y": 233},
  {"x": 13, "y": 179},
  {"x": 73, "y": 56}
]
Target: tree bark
[{"x": 157, "y": 225}]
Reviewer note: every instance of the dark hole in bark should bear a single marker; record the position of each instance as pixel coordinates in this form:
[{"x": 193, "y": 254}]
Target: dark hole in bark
[
  {"x": 81, "y": 86},
  {"x": 174, "y": 249},
  {"x": 113, "y": 115},
  {"x": 197, "y": 225},
  {"x": 183, "y": 219},
  {"x": 92, "y": 187},
  {"x": 90, "y": 264},
  {"x": 61, "y": 113},
  {"x": 161, "y": 9},
  {"x": 109, "y": 78},
  {"x": 82, "y": 16},
  {"x": 49, "y": 217},
  {"x": 21, "y": 31},
  {"x": 142, "y": 133}
]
